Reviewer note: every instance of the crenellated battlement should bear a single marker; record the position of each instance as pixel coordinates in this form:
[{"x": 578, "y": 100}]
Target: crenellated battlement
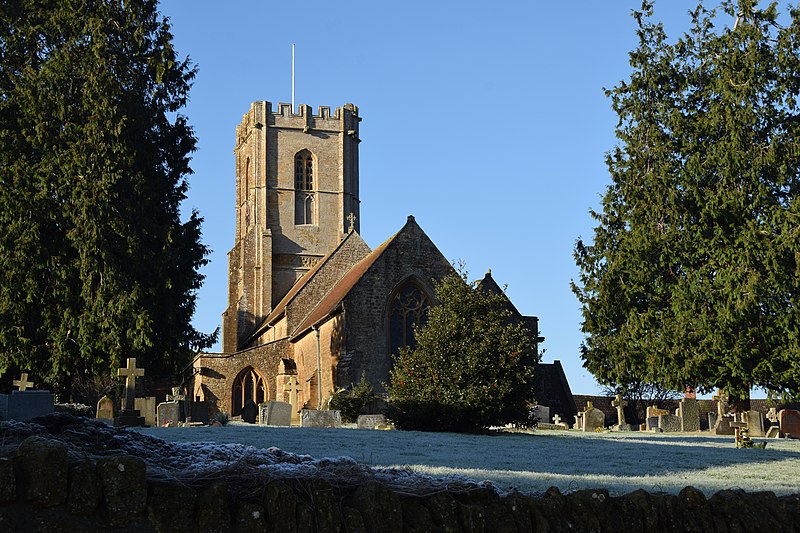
[{"x": 344, "y": 119}]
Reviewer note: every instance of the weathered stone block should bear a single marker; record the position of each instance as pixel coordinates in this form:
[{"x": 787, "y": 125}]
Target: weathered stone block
[
  {"x": 213, "y": 509},
  {"x": 326, "y": 508},
  {"x": 171, "y": 507},
  {"x": 249, "y": 518},
  {"x": 124, "y": 486},
  {"x": 275, "y": 414},
  {"x": 380, "y": 508},
  {"x": 85, "y": 489},
  {"x": 41, "y": 471},
  {"x": 280, "y": 505},
  {"x": 416, "y": 517},
  {"x": 444, "y": 511},
  {"x": 353, "y": 520},
  {"x": 8, "y": 484}
]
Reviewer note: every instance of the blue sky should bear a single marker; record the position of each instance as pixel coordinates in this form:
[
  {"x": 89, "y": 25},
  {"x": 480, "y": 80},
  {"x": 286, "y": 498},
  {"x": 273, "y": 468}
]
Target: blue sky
[{"x": 486, "y": 122}]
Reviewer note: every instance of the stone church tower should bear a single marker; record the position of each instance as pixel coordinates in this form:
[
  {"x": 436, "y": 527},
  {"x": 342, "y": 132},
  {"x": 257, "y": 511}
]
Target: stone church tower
[{"x": 296, "y": 197}]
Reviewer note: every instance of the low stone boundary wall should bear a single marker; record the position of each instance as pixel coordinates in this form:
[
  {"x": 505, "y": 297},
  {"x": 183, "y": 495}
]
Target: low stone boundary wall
[{"x": 40, "y": 490}]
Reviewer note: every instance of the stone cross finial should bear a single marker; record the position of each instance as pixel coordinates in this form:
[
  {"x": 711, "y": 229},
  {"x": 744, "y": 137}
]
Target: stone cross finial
[
  {"x": 620, "y": 404},
  {"x": 23, "y": 382},
  {"x": 351, "y": 218},
  {"x": 772, "y": 415},
  {"x": 131, "y": 373}
]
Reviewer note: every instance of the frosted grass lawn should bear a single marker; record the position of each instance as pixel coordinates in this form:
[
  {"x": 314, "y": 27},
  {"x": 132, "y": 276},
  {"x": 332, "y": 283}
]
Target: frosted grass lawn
[{"x": 532, "y": 462}]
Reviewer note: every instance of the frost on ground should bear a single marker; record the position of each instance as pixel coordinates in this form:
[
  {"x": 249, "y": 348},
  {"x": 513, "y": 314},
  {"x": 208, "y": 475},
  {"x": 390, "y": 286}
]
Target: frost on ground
[
  {"x": 247, "y": 456},
  {"x": 244, "y": 466},
  {"x": 532, "y": 462}
]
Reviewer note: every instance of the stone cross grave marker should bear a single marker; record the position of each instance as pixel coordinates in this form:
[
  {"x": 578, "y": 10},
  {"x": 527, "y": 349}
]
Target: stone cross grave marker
[
  {"x": 23, "y": 382},
  {"x": 131, "y": 373},
  {"x": 772, "y": 415},
  {"x": 180, "y": 398},
  {"x": 620, "y": 404},
  {"x": 721, "y": 401},
  {"x": 557, "y": 419},
  {"x": 293, "y": 388}
]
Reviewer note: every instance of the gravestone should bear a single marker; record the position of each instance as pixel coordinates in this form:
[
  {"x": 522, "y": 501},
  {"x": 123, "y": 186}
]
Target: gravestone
[
  {"x": 249, "y": 412},
  {"x": 723, "y": 426},
  {"x": 689, "y": 411},
  {"x": 147, "y": 408},
  {"x": 789, "y": 420},
  {"x": 652, "y": 411},
  {"x": 541, "y": 412},
  {"x": 275, "y": 413},
  {"x": 178, "y": 396},
  {"x": 772, "y": 416},
  {"x": 25, "y": 405},
  {"x": 129, "y": 416},
  {"x": 578, "y": 421},
  {"x": 652, "y": 422},
  {"x": 200, "y": 412},
  {"x": 669, "y": 423},
  {"x": 105, "y": 409},
  {"x": 557, "y": 421},
  {"x": 712, "y": 420},
  {"x": 370, "y": 421},
  {"x": 755, "y": 423},
  {"x": 312, "y": 418},
  {"x": 593, "y": 418},
  {"x": 620, "y": 404},
  {"x": 168, "y": 414}
]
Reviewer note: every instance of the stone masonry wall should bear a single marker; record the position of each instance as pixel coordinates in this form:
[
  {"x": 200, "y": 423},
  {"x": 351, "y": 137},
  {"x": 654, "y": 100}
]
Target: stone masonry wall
[
  {"x": 217, "y": 372},
  {"x": 351, "y": 251},
  {"x": 410, "y": 254},
  {"x": 40, "y": 490}
]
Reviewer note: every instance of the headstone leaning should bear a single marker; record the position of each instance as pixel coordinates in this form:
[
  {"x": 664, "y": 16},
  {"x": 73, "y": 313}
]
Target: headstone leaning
[
  {"x": 275, "y": 413},
  {"x": 689, "y": 411},
  {"x": 105, "y": 409}
]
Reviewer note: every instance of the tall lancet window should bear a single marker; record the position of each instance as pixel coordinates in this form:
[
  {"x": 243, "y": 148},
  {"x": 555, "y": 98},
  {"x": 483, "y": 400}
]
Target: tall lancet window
[{"x": 304, "y": 196}]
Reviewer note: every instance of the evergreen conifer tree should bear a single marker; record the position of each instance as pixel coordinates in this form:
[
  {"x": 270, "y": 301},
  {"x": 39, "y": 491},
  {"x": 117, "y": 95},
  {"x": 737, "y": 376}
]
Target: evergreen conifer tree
[
  {"x": 96, "y": 264},
  {"x": 692, "y": 277}
]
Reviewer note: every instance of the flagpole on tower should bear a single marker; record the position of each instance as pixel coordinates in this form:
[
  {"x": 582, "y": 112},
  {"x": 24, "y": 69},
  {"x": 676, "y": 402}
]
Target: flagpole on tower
[{"x": 292, "y": 77}]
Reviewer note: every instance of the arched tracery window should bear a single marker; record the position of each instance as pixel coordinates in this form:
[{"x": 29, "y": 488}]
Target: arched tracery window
[
  {"x": 304, "y": 196},
  {"x": 408, "y": 307},
  {"x": 248, "y": 385}
]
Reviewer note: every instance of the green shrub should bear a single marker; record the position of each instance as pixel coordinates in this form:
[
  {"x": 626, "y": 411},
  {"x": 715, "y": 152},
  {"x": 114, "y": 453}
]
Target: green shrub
[
  {"x": 473, "y": 366},
  {"x": 352, "y": 402}
]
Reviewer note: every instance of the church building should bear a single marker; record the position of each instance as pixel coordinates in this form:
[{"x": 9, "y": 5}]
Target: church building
[{"x": 311, "y": 308}]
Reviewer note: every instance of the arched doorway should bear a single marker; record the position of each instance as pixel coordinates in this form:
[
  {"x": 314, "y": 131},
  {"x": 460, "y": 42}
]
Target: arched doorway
[{"x": 249, "y": 385}]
